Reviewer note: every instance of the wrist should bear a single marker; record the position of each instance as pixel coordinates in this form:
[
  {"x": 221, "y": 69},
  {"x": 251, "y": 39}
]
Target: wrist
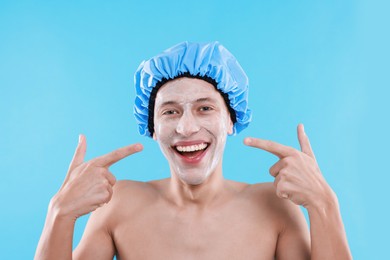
[
  {"x": 60, "y": 212},
  {"x": 325, "y": 203}
]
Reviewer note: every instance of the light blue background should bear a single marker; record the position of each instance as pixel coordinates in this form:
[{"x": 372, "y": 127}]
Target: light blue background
[{"x": 67, "y": 68}]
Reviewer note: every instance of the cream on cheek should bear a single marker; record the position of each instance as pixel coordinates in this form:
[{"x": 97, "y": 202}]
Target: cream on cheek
[
  {"x": 190, "y": 124},
  {"x": 214, "y": 130},
  {"x": 218, "y": 127}
]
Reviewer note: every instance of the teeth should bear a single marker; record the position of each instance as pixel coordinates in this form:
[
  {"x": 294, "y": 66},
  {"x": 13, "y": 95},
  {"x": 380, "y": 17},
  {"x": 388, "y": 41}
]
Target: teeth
[{"x": 192, "y": 148}]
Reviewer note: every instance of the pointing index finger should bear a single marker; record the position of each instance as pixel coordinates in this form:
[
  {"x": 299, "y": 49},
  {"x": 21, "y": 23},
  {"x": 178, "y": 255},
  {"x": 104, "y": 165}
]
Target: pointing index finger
[
  {"x": 109, "y": 159},
  {"x": 270, "y": 146}
]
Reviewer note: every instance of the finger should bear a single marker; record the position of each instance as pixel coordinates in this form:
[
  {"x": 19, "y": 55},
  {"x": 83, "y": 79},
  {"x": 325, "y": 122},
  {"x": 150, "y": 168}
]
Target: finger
[
  {"x": 103, "y": 174},
  {"x": 275, "y": 169},
  {"x": 282, "y": 190},
  {"x": 110, "y": 192},
  {"x": 78, "y": 157},
  {"x": 280, "y": 177},
  {"x": 281, "y": 194},
  {"x": 111, "y": 178},
  {"x": 102, "y": 193},
  {"x": 284, "y": 196},
  {"x": 304, "y": 141},
  {"x": 270, "y": 146},
  {"x": 276, "y": 181},
  {"x": 79, "y": 154},
  {"x": 114, "y": 156}
]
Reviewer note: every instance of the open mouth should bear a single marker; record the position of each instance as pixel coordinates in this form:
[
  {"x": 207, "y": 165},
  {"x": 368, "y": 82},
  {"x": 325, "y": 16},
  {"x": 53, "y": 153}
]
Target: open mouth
[{"x": 191, "y": 151}]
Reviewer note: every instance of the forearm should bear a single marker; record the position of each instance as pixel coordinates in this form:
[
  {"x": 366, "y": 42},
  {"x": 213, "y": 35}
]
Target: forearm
[
  {"x": 328, "y": 237},
  {"x": 57, "y": 236}
]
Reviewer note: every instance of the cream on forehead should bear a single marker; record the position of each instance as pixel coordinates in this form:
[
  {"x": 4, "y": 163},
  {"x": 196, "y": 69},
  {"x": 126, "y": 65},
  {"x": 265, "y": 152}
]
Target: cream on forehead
[
  {"x": 171, "y": 91},
  {"x": 208, "y": 61},
  {"x": 211, "y": 129}
]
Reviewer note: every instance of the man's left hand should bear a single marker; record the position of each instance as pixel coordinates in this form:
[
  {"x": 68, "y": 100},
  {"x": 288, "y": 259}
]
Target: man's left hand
[{"x": 297, "y": 175}]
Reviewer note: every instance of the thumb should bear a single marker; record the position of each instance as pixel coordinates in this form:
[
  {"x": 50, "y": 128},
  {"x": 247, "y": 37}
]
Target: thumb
[
  {"x": 304, "y": 142},
  {"x": 79, "y": 154}
]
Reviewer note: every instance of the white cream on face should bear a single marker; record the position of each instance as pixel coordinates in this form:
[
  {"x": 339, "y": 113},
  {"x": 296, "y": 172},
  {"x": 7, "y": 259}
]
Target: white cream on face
[{"x": 191, "y": 123}]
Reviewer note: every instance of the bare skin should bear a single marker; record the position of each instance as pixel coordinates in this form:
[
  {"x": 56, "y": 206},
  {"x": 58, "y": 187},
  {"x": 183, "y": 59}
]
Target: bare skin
[
  {"x": 196, "y": 213},
  {"x": 241, "y": 222}
]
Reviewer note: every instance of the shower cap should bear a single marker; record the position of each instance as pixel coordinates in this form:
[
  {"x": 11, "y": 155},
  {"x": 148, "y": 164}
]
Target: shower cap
[{"x": 199, "y": 60}]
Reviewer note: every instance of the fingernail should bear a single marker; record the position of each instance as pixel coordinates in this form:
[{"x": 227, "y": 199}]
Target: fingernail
[
  {"x": 80, "y": 137},
  {"x": 248, "y": 140},
  {"x": 303, "y": 127},
  {"x": 138, "y": 147}
]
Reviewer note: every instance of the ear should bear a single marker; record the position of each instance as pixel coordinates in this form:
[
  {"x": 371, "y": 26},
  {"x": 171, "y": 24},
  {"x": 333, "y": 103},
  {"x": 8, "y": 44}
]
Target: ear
[
  {"x": 154, "y": 136},
  {"x": 230, "y": 127}
]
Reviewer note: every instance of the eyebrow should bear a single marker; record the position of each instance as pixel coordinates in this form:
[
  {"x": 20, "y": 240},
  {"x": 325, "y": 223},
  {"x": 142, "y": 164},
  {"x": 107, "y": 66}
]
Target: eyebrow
[
  {"x": 167, "y": 103},
  {"x": 199, "y": 100},
  {"x": 206, "y": 99}
]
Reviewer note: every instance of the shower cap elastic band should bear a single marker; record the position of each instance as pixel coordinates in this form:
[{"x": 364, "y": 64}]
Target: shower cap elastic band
[{"x": 199, "y": 60}]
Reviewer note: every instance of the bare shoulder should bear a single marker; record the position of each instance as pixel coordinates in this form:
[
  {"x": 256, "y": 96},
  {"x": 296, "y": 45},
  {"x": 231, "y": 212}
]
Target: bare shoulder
[
  {"x": 132, "y": 193},
  {"x": 263, "y": 195},
  {"x": 128, "y": 197},
  {"x": 128, "y": 187},
  {"x": 287, "y": 218}
]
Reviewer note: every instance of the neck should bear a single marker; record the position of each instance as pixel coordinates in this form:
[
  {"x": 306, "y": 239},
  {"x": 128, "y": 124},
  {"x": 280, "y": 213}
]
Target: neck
[{"x": 201, "y": 195}]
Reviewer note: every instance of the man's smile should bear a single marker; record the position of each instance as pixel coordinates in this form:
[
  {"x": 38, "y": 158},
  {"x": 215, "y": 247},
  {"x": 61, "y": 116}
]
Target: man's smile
[
  {"x": 191, "y": 152},
  {"x": 191, "y": 125}
]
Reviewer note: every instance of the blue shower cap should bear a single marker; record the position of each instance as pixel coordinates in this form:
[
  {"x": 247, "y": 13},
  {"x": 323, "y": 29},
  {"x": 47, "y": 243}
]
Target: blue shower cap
[{"x": 202, "y": 60}]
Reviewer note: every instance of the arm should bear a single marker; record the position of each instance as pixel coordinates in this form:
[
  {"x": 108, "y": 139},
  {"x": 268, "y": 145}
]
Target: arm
[
  {"x": 87, "y": 186},
  {"x": 329, "y": 240},
  {"x": 57, "y": 235},
  {"x": 57, "y": 238},
  {"x": 299, "y": 179},
  {"x": 294, "y": 238},
  {"x": 96, "y": 242}
]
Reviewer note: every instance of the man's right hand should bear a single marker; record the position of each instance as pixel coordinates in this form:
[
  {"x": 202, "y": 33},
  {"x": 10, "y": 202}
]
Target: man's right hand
[{"x": 88, "y": 185}]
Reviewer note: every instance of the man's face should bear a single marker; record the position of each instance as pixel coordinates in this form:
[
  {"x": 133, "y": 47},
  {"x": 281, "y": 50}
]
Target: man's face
[{"x": 191, "y": 122}]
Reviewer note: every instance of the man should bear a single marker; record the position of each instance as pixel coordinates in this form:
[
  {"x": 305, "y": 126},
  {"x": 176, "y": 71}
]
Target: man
[{"x": 189, "y": 98}]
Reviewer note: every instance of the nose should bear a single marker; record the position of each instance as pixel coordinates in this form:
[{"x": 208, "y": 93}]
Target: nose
[{"x": 187, "y": 125}]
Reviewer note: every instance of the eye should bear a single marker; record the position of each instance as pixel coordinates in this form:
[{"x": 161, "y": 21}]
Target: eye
[
  {"x": 205, "y": 108},
  {"x": 169, "y": 112}
]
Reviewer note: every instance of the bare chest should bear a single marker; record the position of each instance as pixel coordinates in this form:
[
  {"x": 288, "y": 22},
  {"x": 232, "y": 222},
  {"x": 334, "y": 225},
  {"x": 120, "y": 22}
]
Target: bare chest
[{"x": 226, "y": 234}]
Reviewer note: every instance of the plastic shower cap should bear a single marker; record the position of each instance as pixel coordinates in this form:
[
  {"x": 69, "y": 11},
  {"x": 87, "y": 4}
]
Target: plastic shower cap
[{"x": 200, "y": 60}]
